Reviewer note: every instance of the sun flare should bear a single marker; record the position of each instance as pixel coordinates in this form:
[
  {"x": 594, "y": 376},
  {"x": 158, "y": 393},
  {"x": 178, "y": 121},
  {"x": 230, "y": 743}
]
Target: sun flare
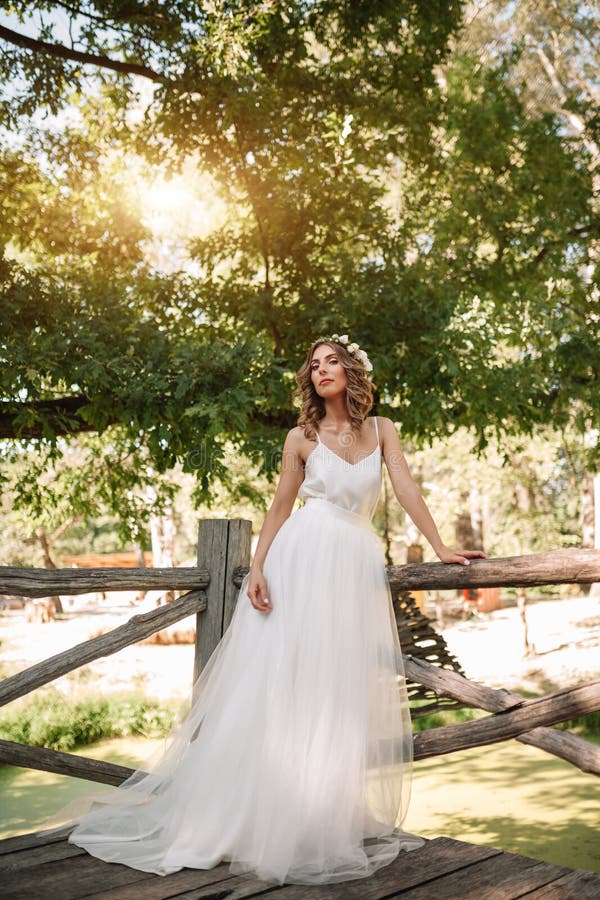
[
  {"x": 166, "y": 197},
  {"x": 186, "y": 205}
]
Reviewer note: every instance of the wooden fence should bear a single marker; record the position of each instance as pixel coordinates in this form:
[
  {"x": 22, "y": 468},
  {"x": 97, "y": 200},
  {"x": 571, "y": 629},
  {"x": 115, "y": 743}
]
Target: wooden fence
[{"x": 212, "y": 588}]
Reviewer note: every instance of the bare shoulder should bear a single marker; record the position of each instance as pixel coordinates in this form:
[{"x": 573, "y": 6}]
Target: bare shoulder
[
  {"x": 295, "y": 437},
  {"x": 298, "y": 444},
  {"x": 296, "y": 441},
  {"x": 386, "y": 425},
  {"x": 388, "y": 432},
  {"x": 292, "y": 464}
]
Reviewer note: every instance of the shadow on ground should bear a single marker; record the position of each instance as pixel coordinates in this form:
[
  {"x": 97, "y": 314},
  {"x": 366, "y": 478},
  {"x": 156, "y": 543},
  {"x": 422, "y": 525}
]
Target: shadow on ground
[{"x": 511, "y": 796}]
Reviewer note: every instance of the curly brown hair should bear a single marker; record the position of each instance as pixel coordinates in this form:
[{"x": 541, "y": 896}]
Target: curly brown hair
[{"x": 359, "y": 390}]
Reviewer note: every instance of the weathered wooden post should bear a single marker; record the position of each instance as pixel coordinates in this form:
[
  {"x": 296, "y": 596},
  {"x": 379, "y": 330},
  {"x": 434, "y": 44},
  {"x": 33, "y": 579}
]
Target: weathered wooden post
[{"x": 223, "y": 545}]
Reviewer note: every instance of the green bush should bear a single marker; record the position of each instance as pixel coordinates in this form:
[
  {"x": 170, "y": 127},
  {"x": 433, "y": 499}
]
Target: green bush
[
  {"x": 52, "y": 720},
  {"x": 587, "y": 726},
  {"x": 446, "y": 717}
]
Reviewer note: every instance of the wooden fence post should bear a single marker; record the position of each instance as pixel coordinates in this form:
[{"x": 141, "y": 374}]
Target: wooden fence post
[{"x": 223, "y": 545}]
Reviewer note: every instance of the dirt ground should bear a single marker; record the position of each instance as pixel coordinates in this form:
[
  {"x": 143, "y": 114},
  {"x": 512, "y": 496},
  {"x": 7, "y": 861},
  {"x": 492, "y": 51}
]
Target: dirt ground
[
  {"x": 565, "y": 634},
  {"x": 161, "y": 672}
]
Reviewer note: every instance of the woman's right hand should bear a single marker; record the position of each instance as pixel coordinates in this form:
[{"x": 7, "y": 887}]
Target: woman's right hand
[{"x": 257, "y": 591}]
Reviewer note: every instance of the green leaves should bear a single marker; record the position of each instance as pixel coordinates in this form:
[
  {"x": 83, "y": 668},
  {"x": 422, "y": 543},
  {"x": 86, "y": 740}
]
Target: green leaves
[{"x": 370, "y": 180}]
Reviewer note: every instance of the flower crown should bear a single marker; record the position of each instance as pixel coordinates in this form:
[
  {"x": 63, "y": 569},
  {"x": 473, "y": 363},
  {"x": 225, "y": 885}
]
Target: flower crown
[{"x": 352, "y": 348}]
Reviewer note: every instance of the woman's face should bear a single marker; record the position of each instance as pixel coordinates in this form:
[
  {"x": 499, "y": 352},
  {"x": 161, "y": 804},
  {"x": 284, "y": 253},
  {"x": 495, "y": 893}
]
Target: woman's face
[{"x": 327, "y": 373}]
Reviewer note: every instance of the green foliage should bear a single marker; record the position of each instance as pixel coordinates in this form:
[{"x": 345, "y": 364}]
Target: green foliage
[
  {"x": 529, "y": 489},
  {"x": 446, "y": 717},
  {"x": 373, "y": 181},
  {"x": 587, "y": 726},
  {"x": 52, "y": 720}
]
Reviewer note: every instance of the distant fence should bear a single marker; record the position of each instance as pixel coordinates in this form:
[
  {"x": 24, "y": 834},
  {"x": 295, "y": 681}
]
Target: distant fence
[{"x": 223, "y": 558}]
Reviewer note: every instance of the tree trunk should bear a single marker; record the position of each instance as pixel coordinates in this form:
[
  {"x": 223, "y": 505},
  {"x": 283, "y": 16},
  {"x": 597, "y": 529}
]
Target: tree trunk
[
  {"x": 463, "y": 527},
  {"x": 595, "y": 589},
  {"x": 529, "y": 650},
  {"x": 162, "y": 534},
  {"x": 141, "y": 561},
  {"x": 48, "y": 563}
]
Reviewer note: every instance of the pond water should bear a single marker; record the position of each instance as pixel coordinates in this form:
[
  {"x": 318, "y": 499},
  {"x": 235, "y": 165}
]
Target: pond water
[{"x": 510, "y": 796}]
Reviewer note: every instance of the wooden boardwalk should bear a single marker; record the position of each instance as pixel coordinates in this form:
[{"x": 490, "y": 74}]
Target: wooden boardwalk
[{"x": 49, "y": 868}]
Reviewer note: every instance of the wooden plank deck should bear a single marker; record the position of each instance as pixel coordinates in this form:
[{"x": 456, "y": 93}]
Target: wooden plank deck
[{"x": 49, "y": 868}]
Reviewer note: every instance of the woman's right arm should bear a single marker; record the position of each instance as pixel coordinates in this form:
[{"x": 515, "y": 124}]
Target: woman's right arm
[{"x": 290, "y": 479}]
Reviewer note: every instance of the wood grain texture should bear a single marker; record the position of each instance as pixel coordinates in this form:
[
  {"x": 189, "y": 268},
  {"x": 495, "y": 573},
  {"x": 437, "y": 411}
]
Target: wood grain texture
[
  {"x": 443, "y": 868},
  {"x": 567, "y": 566},
  {"x": 223, "y": 546},
  {"x": 45, "y": 760},
  {"x": 18, "y": 859},
  {"x": 67, "y": 879},
  {"x": 212, "y": 554},
  {"x": 445, "y": 682},
  {"x": 33, "y": 839},
  {"x": 215, "y": 883},
  {"x": 30, "y": 582},
  {"x": 549, "y": 710},
  {"x": 575, "y": 885},
  {"x": 501, "y": 877},
  {"x": 570, "y": 747}
]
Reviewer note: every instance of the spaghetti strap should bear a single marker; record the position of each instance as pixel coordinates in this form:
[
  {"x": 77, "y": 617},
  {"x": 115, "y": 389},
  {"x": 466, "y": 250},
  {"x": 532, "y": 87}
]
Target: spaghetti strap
[
  {"x": 376, "y": 430},
  {"x": 318, "y": 438}
]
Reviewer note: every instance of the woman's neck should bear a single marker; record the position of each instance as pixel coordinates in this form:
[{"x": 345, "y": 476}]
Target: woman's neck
[{"x": 336, "y": 412}]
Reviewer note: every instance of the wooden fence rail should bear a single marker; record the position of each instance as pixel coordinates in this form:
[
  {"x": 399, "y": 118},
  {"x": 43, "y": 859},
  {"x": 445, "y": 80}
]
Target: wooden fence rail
[
  {"x": 573, "y": 749},
  {"x": 513, "y": 722},
  {"x": 549, "y": 710},
  {"x": 223, "y": 557},
  {"x": 568, "y": 566},
  {"x": 37, "y": 583},
  {"x": 136, "y": 629}
]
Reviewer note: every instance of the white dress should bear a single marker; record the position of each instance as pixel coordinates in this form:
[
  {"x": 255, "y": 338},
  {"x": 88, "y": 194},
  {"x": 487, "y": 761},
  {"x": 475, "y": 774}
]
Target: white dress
[{"x": 294, "y": 762}]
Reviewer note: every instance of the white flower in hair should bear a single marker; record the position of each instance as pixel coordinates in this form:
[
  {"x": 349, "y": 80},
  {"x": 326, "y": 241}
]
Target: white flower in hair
[
  {"x": 364, "y": 359},
  {"x": 353, "y": 349}
]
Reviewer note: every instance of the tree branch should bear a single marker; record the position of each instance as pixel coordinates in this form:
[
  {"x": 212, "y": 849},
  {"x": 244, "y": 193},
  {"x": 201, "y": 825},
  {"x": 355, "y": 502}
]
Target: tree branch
[
  {"x": 58, "y": 50},
  {"x": 591, "y": 229},
  {"x": 577, "y": 122},
  {"x": 112, "y": 22},
  {"x": 62, "y": 416}
]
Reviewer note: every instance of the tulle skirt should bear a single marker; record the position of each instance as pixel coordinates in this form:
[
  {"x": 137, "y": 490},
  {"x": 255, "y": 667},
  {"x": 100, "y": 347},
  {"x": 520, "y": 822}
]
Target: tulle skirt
[{"x": 294, "y": 762}]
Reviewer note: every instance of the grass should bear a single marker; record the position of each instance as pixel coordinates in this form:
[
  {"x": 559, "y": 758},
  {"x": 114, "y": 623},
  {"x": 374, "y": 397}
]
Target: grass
[
  {"x": 587, "y": 726},
  {"x": 50, "y": 720},
  {"x": 446, "y": 717}
]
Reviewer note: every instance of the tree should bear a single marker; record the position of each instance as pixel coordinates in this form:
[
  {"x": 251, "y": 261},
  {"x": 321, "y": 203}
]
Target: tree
[
  {"x": 555, "y": 50},
  {"x": 374, "y": 184}
]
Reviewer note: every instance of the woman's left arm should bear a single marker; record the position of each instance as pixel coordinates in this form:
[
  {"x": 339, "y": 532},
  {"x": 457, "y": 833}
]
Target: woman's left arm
[{"x": 409, "y": 496}]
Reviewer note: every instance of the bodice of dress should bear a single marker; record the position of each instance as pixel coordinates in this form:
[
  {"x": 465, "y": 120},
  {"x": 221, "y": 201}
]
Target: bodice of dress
[{"x": 351, "y": 486}]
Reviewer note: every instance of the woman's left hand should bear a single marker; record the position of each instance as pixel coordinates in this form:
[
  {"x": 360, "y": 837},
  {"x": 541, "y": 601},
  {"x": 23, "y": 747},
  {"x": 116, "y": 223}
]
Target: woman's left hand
[{"x": 460, "y": 556}]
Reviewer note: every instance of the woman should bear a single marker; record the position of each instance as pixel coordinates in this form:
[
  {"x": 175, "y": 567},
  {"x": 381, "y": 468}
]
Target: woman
[{"x": 294, "y": 762}]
